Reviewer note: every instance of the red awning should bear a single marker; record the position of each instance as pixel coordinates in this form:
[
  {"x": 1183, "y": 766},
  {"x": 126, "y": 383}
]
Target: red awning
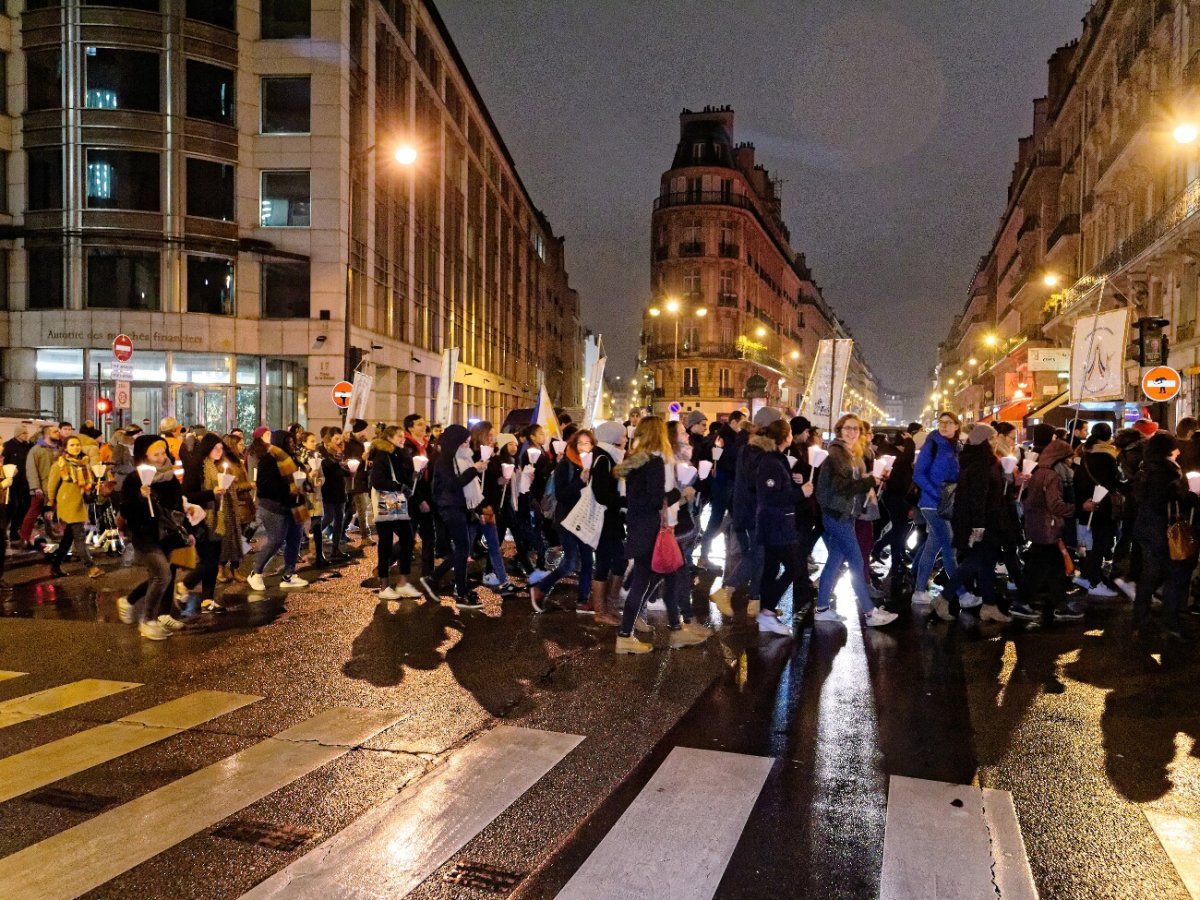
[{"x": 1014, "y": 412}]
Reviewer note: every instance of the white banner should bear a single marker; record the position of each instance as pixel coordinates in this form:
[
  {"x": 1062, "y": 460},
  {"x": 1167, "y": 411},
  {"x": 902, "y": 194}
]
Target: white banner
[
  {"x": 359, "y": 396},
  {"x": 595, "y": 388},
  {"x": 823, "y": 402},
  {"x": 1049, "y": 359},
  {"x": 443, "y": 407},
  {"x": 1098, "y": 356}
]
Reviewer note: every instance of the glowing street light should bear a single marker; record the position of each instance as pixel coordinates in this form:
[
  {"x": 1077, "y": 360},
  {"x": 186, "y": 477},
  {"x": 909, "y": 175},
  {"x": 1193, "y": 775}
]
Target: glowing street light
[
  {"x": 406, "y": 154},
  {"x": 655, "y": 311},
  {"x": 1186, "y": 133},
  {"x": 991, "y": 340},
  {"x": 1050, "y": 279},
  {"x": 760, "y": 331},
  {"x": 972, "y": 361},
  {"x": 672, "y": 306},
  {"x": 701, "y": 312}
]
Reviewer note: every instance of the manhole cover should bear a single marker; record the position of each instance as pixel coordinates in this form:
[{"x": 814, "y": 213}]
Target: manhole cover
[
  {"x": 482, "y": 876},
  {"x": 76, "y": 800},
  {"x": 285, "y": 838}
]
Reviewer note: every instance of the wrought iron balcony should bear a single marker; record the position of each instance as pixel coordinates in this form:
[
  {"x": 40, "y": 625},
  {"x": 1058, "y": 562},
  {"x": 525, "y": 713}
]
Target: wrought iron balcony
[
  {"x": 690, "y": 390},
  {"x": 691, "y": 248},
  {"x": 730, "y": 251}
]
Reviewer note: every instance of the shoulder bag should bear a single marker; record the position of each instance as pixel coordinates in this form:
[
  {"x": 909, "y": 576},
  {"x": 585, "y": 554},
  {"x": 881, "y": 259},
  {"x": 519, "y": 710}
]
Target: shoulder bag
[
  {"x": 586, "y": 518},
  {"x": 667, "y": 557},
  {"x": 1181, "y": 542},
  {"x": 390, "y": 506}
]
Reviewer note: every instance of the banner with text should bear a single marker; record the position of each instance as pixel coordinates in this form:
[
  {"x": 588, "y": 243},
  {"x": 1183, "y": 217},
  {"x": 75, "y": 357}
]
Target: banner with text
[
  {"x": 1098, "y": 356},
  {"x": 443, "y": 407},
  {"x": 823, "y": 402}
]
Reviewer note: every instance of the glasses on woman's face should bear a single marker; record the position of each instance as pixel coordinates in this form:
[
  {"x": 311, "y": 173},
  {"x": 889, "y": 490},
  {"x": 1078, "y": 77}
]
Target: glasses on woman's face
[
  {"x": 946, "y": 423},
  {"x": 851, "y": 428}
]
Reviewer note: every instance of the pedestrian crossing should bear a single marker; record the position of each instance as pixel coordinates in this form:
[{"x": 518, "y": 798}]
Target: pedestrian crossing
[{"x": 682, "y": 828}]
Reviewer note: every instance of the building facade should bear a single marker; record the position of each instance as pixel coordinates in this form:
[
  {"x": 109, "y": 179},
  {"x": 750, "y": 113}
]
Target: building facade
[
  {"x": 734, "y": 312},
  {"x": 218, "y": 180},
  {"x": 1101, "y": 214}
]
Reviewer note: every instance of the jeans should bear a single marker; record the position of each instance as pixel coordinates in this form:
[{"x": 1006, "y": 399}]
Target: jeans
[
  {"x": 641, "y": 585},
  {"x": 150, "y": 596},
  {"x": 842, "y": 545},
  {"x": 979, "y": 562},
  {"x": 335, "y": 520},
  {"x": 1173, "y": 575},
  {"x": 576, "y": 554},
  {"x": 749, "y": 569},
  {"x": 282, "y": 531},
  {"x": 781, "y": 562},
  {"x": 402, "y": 533},
  {"x": 491, "y": 537},
  {"x": 208, "y": 554},
  {"x": 73, "y": 533},
  {"x": 940, "y": 540},
  {"x": 458, "y": 528}
]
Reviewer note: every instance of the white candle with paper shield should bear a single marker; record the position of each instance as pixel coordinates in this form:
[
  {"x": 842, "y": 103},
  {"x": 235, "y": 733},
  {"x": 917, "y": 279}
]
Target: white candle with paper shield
[
  {"x": 586, "y": 459},
  {"x": 1028, "y": 466},
  {"x": 685, "y": 473},
  {"x": 98, "y": 469},
  {"x": 485, "y": 453},
  {"x": 10, "y": 471},
  {"x": 1008, "y": 464},
  {"x": 146, "y": 473},
  {"x": 419, "y": 463},
  {"x": 300, "y": 476},
  {"x": 534, "y": 455},
  {"x": 705, "y": 468},
  {"x": 506, "y": 469},
  {"x": 717, "y": 451},
  {"x": 816, "y": 456},
  {"x": 1194, "y": 482},
  {"x": 559, "y": 447},
  {"x": 879, "y": 467},
  {"x": 226, "y": 480},
  {"x": 353, "y": 464}
]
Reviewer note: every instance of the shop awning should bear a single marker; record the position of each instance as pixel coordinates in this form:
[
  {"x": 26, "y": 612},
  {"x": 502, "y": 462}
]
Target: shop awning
[
  {"x": 1040, "y": 412},
  {"x": 1014, "y": 412}
]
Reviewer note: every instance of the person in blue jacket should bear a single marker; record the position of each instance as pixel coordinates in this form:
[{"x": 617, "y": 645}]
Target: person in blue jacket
[
  {"x": 937, "y": 465},
  {"x": 777, "y": 491}
]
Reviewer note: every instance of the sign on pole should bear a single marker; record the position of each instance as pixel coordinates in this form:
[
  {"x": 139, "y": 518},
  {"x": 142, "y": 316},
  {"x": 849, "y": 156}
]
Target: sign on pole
[
  {"x": 341, "y": 394},
  {"x": 591, "y": 403},
  {"x": 123, "y": 396},
  {"x": 359, "y": 394},
  {"x": 1098, "y": 356},
  {"x": 1161, "y": 384},
  {"x": 823, "y": 402},
  {"x": 443, "y": 406},
  {"x": 122, "y": 347},
  {"x": 121, "y": 371}
]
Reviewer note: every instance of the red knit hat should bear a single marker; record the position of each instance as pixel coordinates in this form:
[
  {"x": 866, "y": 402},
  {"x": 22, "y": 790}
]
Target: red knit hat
[{"x": 1145, "y": 427}]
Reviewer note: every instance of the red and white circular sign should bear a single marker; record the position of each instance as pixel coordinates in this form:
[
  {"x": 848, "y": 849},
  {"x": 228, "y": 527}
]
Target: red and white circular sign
[
  {"x": 341, "y": 394},
  {"x": 123, "y": 348}
]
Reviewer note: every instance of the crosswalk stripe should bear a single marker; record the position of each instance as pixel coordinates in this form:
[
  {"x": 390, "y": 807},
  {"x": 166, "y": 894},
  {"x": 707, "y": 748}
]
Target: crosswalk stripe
[
  {"x": 400, "y": 843},
  {"x": 679, "y": 833},
  {"x": 942, "y": 840},
  {"x": 59, "y": 759},
  {"x": 1180, "y": 837},
  {"x": 86, "y": 856},
  {"x": 56, "y": 699},
  {"x": 4, "y": 676}
]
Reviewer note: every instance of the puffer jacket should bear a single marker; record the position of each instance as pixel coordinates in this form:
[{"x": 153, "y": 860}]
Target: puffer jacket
[
  {"x": 840, "y": 487},
  {"x": 744, "y": 511},
  {"x": 1045, "y": 509},
  {"x": 777, "y": 497},
  {"x": 936, "y": 464},
  {"x": 646, "y": 491}
]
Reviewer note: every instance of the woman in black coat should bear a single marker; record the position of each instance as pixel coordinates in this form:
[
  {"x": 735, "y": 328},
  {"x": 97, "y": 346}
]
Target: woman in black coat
[
  {"x": 650, "y": 491},
  {"x": 608, "y": 572},
  {"x": 1162, "y": 496},
  {"x": 777, "y": 492},
  {"x": 455, "y": 474},
  {"x": 392, "y": 472}
]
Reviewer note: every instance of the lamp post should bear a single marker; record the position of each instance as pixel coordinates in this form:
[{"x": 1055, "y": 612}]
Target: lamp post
[{"x": 404, "y": 155}]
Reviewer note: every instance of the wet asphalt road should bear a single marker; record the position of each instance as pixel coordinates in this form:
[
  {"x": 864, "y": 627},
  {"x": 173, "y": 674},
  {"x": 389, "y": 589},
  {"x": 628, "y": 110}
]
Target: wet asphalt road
[{"x": 1082, "y": 726}]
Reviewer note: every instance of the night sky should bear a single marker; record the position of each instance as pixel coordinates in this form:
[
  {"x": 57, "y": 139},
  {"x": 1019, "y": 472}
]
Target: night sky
[{"x": 894, "y": 126}]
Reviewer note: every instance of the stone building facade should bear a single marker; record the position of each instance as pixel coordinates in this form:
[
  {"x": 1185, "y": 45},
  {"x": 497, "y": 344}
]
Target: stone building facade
[{"x": 217, "y": 180}]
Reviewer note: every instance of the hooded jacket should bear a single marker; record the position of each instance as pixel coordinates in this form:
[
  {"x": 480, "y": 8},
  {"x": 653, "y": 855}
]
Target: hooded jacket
[
  {"x": 1045, "y": 509},
  {"x": 839, "y": 487},
  {"x": 936, "y": 464},
  {"x": 777, "y": 496},
  {"x": 1162, "y": 494},
  {"x": 447, "y": 483},
  {"x": 979, "y": 501},
  {"x": 744, "y": 511},
  {"x": 645, "y": 476},
  {"x": 1097, "y": 466}
]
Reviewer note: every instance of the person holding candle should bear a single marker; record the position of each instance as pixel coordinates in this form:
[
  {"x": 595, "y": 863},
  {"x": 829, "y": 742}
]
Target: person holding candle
[
  {"x": 535, "y": 468},
  {"x": 202, "y": 487},
  {"x": 570, "y": 477},
  {"x": 777, "y": 493},
  {"x": 483, "y": 439},
  {"x": 334, "y": 475},
  {"x": 808, "y": 513},
  {"x": 935, "y": 472},
  {"x": 1046, "y": 511},
  {"x": 237, "y": 506},
  {"x": 152, "y": 507},
  {"x": 279, "y": 500},
  {"x": 1097, "y": 468},
  {"x": 358, "y": 485},
  {"x": 70, "y": 487},
  {"x": 309, "y": 458},
  {"x": 424, "y": 512},
  {"x": 392, "y": 472},
  {"x": 458, "y": 493}
]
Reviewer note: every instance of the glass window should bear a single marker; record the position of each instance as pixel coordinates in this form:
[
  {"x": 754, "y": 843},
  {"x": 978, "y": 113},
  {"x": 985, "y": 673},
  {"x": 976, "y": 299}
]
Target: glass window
[
  {"x": 285, "y": 290},
  {"x": 46, "y": 278},
  {"x": 122, "y": 279},
  {"x": 285, "y": 199},
  {"x": 43, "y": 77},
  {"x": 247, "y": 370},
  {"x": 210, "y": 190},
  {"x": 31, "y": 5},
  {"x": 210, "y": 285},
  {"x": 200, "y": 368},
  {"x": 286, "y": 105},
  {"x": 148, "y": 365},
  {"x": 147, "y": 5},
  {"x": 286, "y": 19},
  {"x": 215, "y": 12},
  {"x": 121, "y": 79},
  {"x": 122, "y": 179},
  {"x": 59, "y": 365},
  {"x": 209, "y": 92},
  {"x": 45, "y": 178},
  {"x": 3, "y": 82}
]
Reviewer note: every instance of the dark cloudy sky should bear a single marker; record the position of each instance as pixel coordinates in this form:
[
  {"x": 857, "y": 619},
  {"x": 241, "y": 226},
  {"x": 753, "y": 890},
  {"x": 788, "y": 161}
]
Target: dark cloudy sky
[{"x": 894, "y": 125}]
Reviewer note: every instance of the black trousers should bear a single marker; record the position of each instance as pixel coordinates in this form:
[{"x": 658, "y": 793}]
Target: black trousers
[
  {"x": 1103, "y": 536},
  {"x": 1173, "y": 575},
  {"x": 780, "y": 563},
  {"x": 425, "y": 524},
  {"x": 1044, "y": 576},
  {"x": 208, "y": 554},
  {"x": 458, "y": 528},
  {"x": 401, "y": 533}
]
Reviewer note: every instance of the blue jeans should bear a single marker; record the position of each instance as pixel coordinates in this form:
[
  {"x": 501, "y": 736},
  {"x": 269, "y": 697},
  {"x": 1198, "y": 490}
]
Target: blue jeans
[
  {"x": 576, "y": 554},
  {"x": 841, "y": 542},
  {"x": 282, "y": 531},
  {"x": 491, "y": 537},
  {"x": 749, "y": 570},
  {"x": 940, "y": 540}
]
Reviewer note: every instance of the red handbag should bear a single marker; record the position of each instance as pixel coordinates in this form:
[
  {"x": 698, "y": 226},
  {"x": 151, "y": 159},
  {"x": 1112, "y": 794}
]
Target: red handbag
[{"x": 667, "y": 556}]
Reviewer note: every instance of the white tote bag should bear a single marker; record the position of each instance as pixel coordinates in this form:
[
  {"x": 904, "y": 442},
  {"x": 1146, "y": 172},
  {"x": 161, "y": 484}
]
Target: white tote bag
[{"x": 586, "y": 519}]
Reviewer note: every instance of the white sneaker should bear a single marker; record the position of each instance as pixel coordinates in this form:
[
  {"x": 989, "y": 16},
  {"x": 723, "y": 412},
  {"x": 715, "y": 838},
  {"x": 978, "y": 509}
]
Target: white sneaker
[
  {"x": 256, "y": 583},
  {"x": 826, "y": 615},
  {"x": 170, "y": 623},
  {"x": 1128, "y": 588},
  {"x": 407, "y": 592},
  {"x": 1103, "y": 590},
  {"x": 771, "y": 623},
  {"x": 125, "y": 611},
  {"x": 490, "y": 580},
  {"x": 967, "y": 600},
  {"x": 152, "y": 631},
  {"x": 879, "y": 617},
  {"x": 922, "y": 598},
  {"x": 292, "y": 583},
  {"x": 389, "y": 593}
]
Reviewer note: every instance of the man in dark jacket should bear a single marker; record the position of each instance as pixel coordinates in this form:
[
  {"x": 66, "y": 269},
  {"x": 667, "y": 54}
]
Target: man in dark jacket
[
  {"x": 1097, "y": 468},
  {"x": 16, "y": 453},
  {"x": 358, "y": 485}
]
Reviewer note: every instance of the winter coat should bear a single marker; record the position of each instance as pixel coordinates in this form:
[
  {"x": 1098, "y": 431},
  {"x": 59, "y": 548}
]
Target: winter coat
[
  {"x": 392, "y": 470},
  {"x": 936, "y": 464},
  {"x": 1097, "y": 466},
  {"x": 841, "y": 490},
  {"x": 606, "y": 490},
  {"x": 645, "y": 478},
  {"x": 1162, "y": 495},
  {"x": 141, "y": 527},
  {"x": 543, "y": 469},
  {"x": 423, "y": 489},
  {"x": 277, "y": 490},
  {"x": 38, "y": 464},
  {"x": 1045, "y": 509},
  {"x": 357, "y": 483},
  {"x": 744, "y": 511},
  {"x": 900, "y": 481},
  {"x": 1130, "y": 447},
  {"x": 447, "y": 483},
  {"x": 777, "y": 496},
  {"x": 67, "y": 486},
  {"x": 568, "y": 486},
  {"x": 16, "y": 453},
  {"x": 979, "y": 499}
]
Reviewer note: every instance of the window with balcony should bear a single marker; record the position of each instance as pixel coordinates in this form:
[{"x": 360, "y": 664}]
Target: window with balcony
[
  {"x": 285, "y": 290},
  {"x": 693, "y": 239},
  {"x": 43, "y": 79},
  {"x": 691, "y": 338},
  {"x": 222, "y": 13},
  {"x": 123, "y": 179},
  {"x": 121, "y": 79},
  {"x": 284, "y": 19},
  {"x": 45, "y": 171},
  {"x": 122, "y": 279},
  {"x": 45, "y": 278},
  {"x": 691, "y": 381},
  {"x": 210, "y": 189},
  {"x": 692, "y": 282},
  {"x": 285, "y": 201},
  {"x": 694, "y": 188},
  {"x": 210, "y": 285},
  {"x": 286, "y": 105},
  {"x": 210, "y": 92}
]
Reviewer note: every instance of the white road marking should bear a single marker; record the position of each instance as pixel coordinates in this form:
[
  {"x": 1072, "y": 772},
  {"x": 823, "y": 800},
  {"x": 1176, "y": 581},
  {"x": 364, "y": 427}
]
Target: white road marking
[
  {"x": 398, "y": 844},
  {"x": 43, "y": 765},
  {"x": 82, "y": 858},
  {"x": 56, "y": 699},
  {"x": 4, "y": 676},
  {"x": 1180, "y": 837},
  {"x": 1014, "y": 877},
  {"x": 680, "y": 831}
]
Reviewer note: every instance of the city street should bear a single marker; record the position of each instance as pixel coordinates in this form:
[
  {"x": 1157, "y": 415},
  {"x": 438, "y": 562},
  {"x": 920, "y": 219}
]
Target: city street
[{"x": 492, "y": 752}]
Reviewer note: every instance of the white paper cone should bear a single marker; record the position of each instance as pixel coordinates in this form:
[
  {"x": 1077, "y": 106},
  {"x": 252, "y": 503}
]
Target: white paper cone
[
  {"x": 1194, "y": 482},
  {"x": 146, "y": 473},
  {"x": 879, "y": 467},
  {"x": 353, "y": 464},
  {"x": 559, "y": 447},
  {"x": 1100, "y": 492},
  {"x": 534, "y": 455},
  {"x": 1009, "y": 464},
  {"x": 226, "y": 480},
  {"x": 97, "y": 469},
  {"x": 792, "y": 461},
  {"x": 485, "y": 453},
  {"x": 1028, "y": 466},
  {"x": 685, "y": 473},
  {"x": 817, "y": 455},
  {"x": 705, "y": 468},
  {"x": 586, "y": 459},
  {"x": 506, "y": 469},
  {"x": 300, "y": 476},
  {"x": 10, "y": 470},
  {"x": 717, "y": 451},
  {"x": 419, "y": 463}
]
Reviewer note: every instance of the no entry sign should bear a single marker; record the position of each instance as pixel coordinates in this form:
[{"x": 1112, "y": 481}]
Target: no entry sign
[
  {"x": 123, "y": 347},
  {"x": 341, "y": 394},
  {"x": 1161, "y": 384}
]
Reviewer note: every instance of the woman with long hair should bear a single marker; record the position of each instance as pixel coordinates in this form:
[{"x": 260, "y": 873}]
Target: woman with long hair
[
  {"x": 651, "y": 493},
  {"x": 333, "y": 491},
  {"x": 529, "y": 533},
  {"x": 309, "y": 458},
  {"x": 777, "y": 491},
  {"x": 936, "y": 467},
  {"x": 279, "y": 498},
  {"x": 71, "y": 486},
  {"x": 392, "y": 473},
  {"x": 570, "y": 477},
  {"x": 237, "y": 508},
  {"x": 483, "y": 434},
  {"x": 841, "y": 491},
  {"x": 608, "y": 572}
]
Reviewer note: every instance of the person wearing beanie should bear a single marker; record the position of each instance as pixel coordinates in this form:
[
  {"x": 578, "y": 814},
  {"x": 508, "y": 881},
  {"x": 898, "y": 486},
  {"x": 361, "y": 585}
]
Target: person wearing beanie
[
  {"x": 281, "y": 508},
  {"x": 766, "y": 415},
  {"x": 935, "y": 473},
  {"x": 153, "y": 514},
  {"x": 1097, "y": 468},
  {"x": 1042, "y": 435},
  {"x": 1163, "y": 497},
  {"x": 1046, "y": 509},
  {"x": 982, "y": 433},
  {"x": 358, "y": 485}
]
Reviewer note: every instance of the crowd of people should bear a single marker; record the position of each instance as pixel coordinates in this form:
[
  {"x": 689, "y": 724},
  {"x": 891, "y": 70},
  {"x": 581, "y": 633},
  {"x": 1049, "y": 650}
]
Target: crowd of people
[{"x": 630, "y": 513}]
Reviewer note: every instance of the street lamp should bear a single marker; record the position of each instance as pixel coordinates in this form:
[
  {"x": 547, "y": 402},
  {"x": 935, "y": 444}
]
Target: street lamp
[
  {"x": 760, "y": 331},
  {"x": 1050, "y": 279},
  {"x": 991, "y": 341},
  {"x": 1186, "y": 133}
]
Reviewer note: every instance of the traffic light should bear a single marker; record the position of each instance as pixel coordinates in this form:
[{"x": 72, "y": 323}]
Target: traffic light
[
  {"x": 1152, "y": 343},
  {"x": 104, "y": 406},
  {"x": 354, "y": 359}
]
